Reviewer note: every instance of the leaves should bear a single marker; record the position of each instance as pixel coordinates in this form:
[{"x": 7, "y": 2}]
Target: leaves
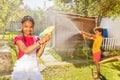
[
  {"x": 91, "y": 8},
  {"x": 8, "y": 9}
]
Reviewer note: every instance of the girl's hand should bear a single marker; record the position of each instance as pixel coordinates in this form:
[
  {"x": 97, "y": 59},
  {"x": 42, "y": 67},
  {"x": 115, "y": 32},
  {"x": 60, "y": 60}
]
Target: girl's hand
[{"x": 45, "y": 39}]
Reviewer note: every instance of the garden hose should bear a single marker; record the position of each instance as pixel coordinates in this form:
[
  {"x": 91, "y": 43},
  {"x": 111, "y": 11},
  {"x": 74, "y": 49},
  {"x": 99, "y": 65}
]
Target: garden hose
[
  {"x": 86, "y": 51},
  {"x": 87, "y": 56}
]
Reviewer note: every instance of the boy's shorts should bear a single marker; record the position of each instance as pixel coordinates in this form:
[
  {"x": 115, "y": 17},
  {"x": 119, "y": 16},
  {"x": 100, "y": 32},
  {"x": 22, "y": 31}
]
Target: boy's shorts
[{"x": 97, "y": 56}]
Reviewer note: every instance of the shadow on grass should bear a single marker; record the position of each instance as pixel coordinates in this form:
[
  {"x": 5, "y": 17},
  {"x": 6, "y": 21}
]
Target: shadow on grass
[
  {"x": 78, "y": 61},
  {"x": 83, "y": 64},
  {"x": 102, "y": 77},
  {"x": 116, "y": 66}
]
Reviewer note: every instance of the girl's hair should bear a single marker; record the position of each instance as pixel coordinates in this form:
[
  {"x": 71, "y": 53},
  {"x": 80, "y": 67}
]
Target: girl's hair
[{"x": 26, "y": 18}]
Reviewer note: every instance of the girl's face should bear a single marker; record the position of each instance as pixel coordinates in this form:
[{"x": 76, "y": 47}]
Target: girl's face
[{"x": 27, "y": 28}]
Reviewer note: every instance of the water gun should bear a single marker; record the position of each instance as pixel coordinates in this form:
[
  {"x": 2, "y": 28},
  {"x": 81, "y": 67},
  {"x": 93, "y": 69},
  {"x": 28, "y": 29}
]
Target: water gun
[{"x": 48, "y": 31}]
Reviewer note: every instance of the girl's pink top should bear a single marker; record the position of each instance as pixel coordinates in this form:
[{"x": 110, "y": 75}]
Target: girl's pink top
[{"x": 27, "y": 40}]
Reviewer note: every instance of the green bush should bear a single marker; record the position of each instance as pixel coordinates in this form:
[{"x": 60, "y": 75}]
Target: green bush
[
  {"x": 5, "y": 78},
  {"x": 82, "y": 51}
]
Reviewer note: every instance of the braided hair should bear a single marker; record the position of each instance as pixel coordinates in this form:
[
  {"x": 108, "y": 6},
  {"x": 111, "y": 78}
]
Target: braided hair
[{"x": 26, "y": 18}]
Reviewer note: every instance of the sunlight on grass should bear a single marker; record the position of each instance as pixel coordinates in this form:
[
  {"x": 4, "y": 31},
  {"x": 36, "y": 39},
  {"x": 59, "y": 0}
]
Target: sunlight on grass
[
  {"x": 109, "y": 71},
  {"x": 5, "y": 78},
  {"x": 53, "y": 53}
]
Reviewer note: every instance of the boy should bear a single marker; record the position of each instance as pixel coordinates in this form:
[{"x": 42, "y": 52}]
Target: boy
[{"x": 96, "y": 46}]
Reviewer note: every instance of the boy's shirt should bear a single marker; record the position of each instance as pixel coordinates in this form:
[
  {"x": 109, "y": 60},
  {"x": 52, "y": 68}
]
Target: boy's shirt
[{"x": 97, "y": 44}]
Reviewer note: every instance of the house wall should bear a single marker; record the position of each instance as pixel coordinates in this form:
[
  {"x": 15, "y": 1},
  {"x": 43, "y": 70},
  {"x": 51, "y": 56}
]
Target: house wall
[
  {"x": 66, "y": 34},
  {"x": 113, "y": 27},
  {"x": 86, "y": 24}
]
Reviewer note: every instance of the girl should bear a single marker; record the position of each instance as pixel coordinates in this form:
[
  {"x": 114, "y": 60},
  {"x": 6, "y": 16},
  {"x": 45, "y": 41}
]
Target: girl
[{"x": 29, "y": 49}]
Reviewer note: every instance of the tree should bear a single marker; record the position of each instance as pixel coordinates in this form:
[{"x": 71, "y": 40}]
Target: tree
[
  {"x": 62, "y": 5},
  {"x": 8, "y": 9},
  {"x": 81, "y": 7},
  {"x": 96, "y": 8},
  {"x": 102, "y": 8}
]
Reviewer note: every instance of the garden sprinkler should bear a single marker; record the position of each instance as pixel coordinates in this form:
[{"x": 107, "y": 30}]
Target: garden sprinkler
[{"x": 47, "y": 31}]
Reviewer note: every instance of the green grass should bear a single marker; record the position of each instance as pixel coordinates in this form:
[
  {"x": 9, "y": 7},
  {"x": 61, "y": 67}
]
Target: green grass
[
  {"x": 5, "y": 78},
  {"x": 41, "y": 61},
  {"x": 14, "y": 55},
  {"x": 53, "y": 53},
  {"x": 67, "y": 73},
  {"x": 109, "y": 71}
]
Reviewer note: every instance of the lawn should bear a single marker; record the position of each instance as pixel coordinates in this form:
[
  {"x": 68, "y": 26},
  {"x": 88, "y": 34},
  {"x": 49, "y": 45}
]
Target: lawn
[{"x": 109, "y": 71}]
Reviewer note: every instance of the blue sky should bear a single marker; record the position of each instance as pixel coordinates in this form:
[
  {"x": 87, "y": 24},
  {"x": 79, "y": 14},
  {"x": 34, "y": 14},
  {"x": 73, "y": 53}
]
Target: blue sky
[{"x": 33, "y": 4}]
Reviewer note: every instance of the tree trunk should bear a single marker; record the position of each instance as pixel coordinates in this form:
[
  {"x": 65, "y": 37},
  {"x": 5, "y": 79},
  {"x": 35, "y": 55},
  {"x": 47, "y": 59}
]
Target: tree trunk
[{"x": 99, "y": 20}]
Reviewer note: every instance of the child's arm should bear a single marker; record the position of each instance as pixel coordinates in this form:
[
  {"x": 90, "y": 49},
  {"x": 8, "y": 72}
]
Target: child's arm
[
  {"x": 41, "y": 50},
  {"x": 88, "y": 35},
  {"x": 26, "y": 49},
  {"x": 31, "y": 48}
]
